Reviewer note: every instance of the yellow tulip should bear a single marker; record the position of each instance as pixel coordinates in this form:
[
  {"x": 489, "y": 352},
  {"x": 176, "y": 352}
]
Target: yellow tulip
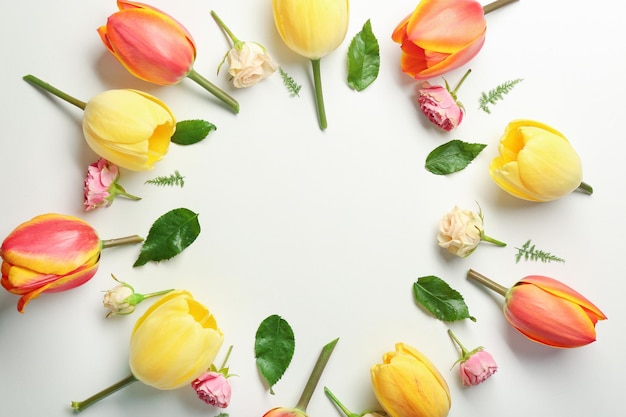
[
  {"x": 175, "y": 340},
  {"x": 407, "y": 384},
  {"x": 129, "y": 128},
  {"x": 312, "y": 28},
  {"x": 536, "y": 163}
]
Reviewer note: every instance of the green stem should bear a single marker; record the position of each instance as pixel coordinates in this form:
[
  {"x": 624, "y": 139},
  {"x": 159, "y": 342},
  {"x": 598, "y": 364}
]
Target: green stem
[
  {"x": 152, "y": 294},
  {"x": 496, "y": 5},
  {"x": 319, "y": 96},
  {"x": 225, "y": 28},
  {"x": 230, "y": 349},
  {"x": 494, "y": 286},
  {"x": 339, "y": 404},
  {"x": 109, "y": 243},
  {"x": 585, "y": 188},
  {"x": 213, "y": 89},
  {"x": 119, "y": 190},
  {"x": 49, "y": 88},
  {"x": 79, "y": 406},
  {"x": 322, "y": 360},
  {"x": 458, "y": 342},
  {"x": 453, "y": 92},
  {"x": 486, "y": 238}
]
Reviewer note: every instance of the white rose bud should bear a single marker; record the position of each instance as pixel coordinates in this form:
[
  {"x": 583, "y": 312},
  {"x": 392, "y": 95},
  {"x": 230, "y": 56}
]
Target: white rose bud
[
  {"x": 249, "y": 63},
  {"x": 117, "y": 300},
  {"x": 460, "y": 232}
]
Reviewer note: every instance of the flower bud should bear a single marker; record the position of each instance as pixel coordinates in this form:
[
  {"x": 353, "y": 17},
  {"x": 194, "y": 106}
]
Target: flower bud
[
  {"x": 249, "y": 63},
  {"x": 474, "y": 366},
  {"x": 174, "y": 342},
  {"x": 100, "y": 185},
  {"x": 213, "y": 388},
  {"x": 129, "y": 128},
  {"x": 117, "y": 300},
  {"x": 407, "y": 384},
  {"x": 460, "y": 232},
  {"x": 536, "y": 162},
  {"x": 49, "y": 253},
  {"x": 149, "y": 43},
  {"x": 439, "y": 36},
  {"x": 439, "y": 106},
  {"x": 549, "y": 312}
]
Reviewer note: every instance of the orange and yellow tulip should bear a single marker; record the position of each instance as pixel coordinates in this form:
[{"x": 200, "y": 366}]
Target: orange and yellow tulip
[
  {"x": 49, "y": 253},
  {"x": 439, "y": 36},
  {"x": 547, "y": 311},
  {"x": 154, "y": 47},
  {"x": 407, "y": 384},
  {"x": 132, "y": 35},
  {"x": 174, "y": 342}
]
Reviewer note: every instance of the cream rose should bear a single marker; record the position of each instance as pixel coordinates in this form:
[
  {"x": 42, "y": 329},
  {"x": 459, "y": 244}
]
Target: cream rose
[
  {"x": 249, "y": 63},
  {"x": 460, "y": 231}
]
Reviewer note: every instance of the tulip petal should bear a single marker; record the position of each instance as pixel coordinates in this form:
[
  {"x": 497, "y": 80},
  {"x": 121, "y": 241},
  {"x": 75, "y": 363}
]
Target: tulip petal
[
  {"x": 561, "y": 290},
  {"x": 54, "y": 243},
  {"x": 429, "y": 26},
  {"x": 547, "y": 319}
]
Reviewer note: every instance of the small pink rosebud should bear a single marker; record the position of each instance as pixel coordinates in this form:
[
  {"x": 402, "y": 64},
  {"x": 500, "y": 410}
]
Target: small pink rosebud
[
  {"x": 100, "y": 185},
  {"x": 439, "y": 106},
  {"x": 474, "y": 366},
  {"x": 477, "y": 368},
  {"x": 213, "y": 388}
]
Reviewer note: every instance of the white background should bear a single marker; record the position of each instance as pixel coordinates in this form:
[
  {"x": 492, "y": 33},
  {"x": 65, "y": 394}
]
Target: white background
[{"x": 327, "y": 229}]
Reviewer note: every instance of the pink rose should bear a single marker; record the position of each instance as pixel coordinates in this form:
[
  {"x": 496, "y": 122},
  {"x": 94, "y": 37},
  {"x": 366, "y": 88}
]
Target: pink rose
[
  {"x": 477, "y": 368},
  {"x": 100, "y": 186},
  {"x": 213, "y": 388},
  {"x": 439, "y": 106}
]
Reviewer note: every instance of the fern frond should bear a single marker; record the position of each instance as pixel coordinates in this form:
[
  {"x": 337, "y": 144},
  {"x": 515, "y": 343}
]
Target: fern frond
[
  {"x": 530, "y": 253},
  {"x": 496, "y": 94},
  {"x": 169, "y": 180},
  {"x": 292, "y": 86}
]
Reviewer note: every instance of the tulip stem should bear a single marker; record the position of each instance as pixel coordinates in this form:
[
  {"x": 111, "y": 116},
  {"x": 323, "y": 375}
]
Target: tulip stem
[
  {"x": 487, "y": 282},
  {"x": 319, "y": 95},
  {"x": 230, "y": 34},
  {"x": 496, "y": 5},
  {"x": 109, "y": 243},
  {"x": 338, "y": 403},
  {"x": 79, "y": 406},
  {"x": 49, "y": 88},
  {"x": 213, "y": 89},
  {"x": 322, "y": 360},
  {"x": 585, "y": 188}
]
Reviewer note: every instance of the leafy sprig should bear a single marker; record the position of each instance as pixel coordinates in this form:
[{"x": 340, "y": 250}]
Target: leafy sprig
[
  {"x": 530, "y": 253},
  {"x": 496, "y": 94},
  {"x": 292, "y": 86},
  {"x": 171, "y": 180}
]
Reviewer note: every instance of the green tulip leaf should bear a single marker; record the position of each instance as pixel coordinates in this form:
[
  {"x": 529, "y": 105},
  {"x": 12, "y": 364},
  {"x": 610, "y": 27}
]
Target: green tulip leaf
[
  {"x": 273, "y": 348},
  {"x": 169, "y": 235},
  {"x": 442, "y": 301},
  {"x": 452, "y": 156},
  {"x": 189, "y": 132},
  {"x": 363, "y": 59}
]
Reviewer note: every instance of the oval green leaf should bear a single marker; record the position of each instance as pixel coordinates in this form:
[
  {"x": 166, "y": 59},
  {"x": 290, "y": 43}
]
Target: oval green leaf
[
  {"x": 273, "y": 348},
  {"x": 452, "y": 156},
  {"x": 189, "y": 132},
  {"x": 169, "y": 235},
  {"x": 441, "y": 300},
  {"x": 363, "y": 58}
]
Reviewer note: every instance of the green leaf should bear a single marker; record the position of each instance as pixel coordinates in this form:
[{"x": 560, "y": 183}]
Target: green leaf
[
  {"x": 273, "y": 348},
  {"x": 189, "y": 132},
  {"x": 529, "y": 252},
  {"x": 292, "y": 86},
  {"x": 496, "y": 94},
  {"x": 170, "y": 180},
  {"x": 169, "y": 235},
  {"x": 452, "y": 156},
  {"x": 442, "y": 301},
  {"x": 363, "y": 58}
]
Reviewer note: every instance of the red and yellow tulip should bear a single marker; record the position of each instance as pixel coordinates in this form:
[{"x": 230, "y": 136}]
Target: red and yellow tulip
[
  {"x": 549, "y": 312},
  {"x": 155, "y": 47},
  {"x": 49, "y": 253},
  {"x": 439, "y": 36}
]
